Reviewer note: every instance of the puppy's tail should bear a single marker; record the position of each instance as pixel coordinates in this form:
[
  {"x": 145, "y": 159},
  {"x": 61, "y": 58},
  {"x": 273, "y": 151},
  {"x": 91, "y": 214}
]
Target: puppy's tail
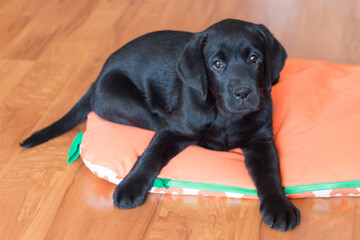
[{"x": 74, "y": 117}]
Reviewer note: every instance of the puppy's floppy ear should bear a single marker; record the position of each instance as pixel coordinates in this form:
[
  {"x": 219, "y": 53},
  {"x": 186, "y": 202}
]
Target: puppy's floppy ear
[
  {"x": 191, "y": 66},
  {"x": 275, "y": 56}
]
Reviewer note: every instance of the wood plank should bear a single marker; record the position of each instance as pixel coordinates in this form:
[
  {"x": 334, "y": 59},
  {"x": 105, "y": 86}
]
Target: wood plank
[{"x": 26, "y": 102}]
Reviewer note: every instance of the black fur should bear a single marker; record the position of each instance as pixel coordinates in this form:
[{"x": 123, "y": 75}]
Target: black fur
[{"x": 210, "y": 88}]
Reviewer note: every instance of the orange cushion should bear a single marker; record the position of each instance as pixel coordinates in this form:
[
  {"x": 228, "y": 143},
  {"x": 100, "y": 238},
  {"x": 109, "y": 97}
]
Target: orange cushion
[{"x": 316, "y": 129}]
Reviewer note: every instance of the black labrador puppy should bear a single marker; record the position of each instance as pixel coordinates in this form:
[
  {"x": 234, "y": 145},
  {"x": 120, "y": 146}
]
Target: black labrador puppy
[{"x": 210, "y": 88}]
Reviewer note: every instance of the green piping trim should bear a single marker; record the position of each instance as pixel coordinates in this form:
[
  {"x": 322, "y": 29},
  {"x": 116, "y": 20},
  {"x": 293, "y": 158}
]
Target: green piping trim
[
  {"x": 322, "y": 186},
  {"x": 166, "y": 183}
]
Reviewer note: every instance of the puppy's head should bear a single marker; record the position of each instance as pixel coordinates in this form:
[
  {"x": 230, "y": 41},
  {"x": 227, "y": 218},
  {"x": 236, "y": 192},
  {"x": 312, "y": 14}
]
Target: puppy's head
[{"x": 235, "y": 61}]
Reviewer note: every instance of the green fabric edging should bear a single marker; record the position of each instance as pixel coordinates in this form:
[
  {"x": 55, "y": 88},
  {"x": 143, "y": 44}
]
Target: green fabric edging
[
  {"x": 74, "y": 151},
  {"x": 166, "y": 183},
  {"x": 322, "y": 186}
]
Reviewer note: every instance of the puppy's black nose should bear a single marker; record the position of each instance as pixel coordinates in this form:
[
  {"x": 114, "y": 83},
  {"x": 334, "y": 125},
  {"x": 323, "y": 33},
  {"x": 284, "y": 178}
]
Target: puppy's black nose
[{"x": 241, "y": 92}]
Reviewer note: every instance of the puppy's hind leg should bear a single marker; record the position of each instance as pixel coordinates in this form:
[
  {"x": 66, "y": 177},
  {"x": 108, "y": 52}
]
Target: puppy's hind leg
[{"x": 118, "y": 100}]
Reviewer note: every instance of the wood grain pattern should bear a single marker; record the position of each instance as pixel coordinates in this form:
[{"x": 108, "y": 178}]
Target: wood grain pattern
[{"x": 50, "y": 52}]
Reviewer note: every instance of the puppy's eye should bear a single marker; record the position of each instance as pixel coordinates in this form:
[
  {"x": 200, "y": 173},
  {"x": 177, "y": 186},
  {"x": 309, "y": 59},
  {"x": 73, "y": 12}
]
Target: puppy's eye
[
  {"x": 218, "y": 65},
  {"x": 254, "y": 59}
]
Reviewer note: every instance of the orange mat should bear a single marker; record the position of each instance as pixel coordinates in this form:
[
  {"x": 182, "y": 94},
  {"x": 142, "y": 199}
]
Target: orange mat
[{"x": 316, "y": 130}]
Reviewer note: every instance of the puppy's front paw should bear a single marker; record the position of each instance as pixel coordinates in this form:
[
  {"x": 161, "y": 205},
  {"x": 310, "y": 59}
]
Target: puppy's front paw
[
  {"x": 130, "y": 193},
  {"x": 279, "y": 213}
]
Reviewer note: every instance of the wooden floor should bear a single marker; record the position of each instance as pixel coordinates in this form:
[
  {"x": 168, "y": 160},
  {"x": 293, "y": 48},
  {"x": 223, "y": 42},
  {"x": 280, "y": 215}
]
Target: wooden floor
[{"x": 50, "y": 52}]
